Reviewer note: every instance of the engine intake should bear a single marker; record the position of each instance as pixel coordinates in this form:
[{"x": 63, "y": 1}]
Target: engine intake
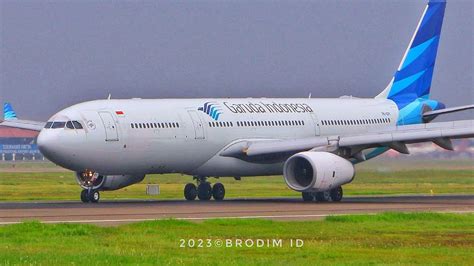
[
  {"x": 94, "y": 180},
  {"x": 317, "y": 171}
]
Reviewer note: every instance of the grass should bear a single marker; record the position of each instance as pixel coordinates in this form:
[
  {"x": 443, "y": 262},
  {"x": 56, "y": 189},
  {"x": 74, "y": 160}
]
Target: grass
[
  {"x": 389, "y": 238},
  {"x": 18, "y": 186},
  {"x": 44, "y": 181}
]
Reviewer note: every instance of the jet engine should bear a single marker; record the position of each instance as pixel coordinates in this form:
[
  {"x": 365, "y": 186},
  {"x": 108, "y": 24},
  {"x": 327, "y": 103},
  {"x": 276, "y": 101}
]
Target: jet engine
[
  {"x": 95, "y": 181},
  {"x": 317, "y": 171}
]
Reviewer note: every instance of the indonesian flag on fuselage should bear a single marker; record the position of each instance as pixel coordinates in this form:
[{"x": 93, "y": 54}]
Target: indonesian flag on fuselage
[{"x": 119, "y": 113}]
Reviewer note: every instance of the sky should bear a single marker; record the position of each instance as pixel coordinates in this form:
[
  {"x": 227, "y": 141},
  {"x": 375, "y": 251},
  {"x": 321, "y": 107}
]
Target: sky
[{"x": 57, "y": 53}]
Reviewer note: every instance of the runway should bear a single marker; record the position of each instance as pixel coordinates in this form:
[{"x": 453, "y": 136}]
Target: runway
[{"x": 117, "y": 212}]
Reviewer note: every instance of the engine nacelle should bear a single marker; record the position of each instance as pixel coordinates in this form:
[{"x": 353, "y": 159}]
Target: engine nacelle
[
  {"x": 317, "y": 171},
  {"x": 96, "y": 181}
]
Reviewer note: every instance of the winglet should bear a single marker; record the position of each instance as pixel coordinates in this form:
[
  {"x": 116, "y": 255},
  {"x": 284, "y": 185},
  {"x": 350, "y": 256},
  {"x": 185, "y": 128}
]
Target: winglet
[{"x": 8, "y": 112}]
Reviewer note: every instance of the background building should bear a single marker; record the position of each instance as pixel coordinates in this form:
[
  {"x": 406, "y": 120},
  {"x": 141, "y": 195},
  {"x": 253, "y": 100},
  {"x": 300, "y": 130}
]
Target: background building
[{"x": 18, "y": 144}]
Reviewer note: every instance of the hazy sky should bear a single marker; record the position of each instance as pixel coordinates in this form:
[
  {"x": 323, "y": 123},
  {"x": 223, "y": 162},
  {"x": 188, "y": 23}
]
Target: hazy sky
[{"x": 57, "y": 53}]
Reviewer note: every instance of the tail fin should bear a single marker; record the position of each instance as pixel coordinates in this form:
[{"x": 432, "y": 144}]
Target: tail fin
[
  {"x": 8, "y": 112},
  {"x": 411, "y": 83}
]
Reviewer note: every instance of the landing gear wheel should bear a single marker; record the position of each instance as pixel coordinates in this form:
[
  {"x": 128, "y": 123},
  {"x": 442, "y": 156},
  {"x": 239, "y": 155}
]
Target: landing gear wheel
[
  {"x": 218, "y": 191},
  {"x": 336, "y": 194},
  {"x": 307, "y": 196},
  {"x": 84, "y": 196},
  {"x": 190, "y": 191},
  {"x": 204, "y": 191},
  {"x": 323, "y": 196},
  {"x": 94, "y": 196}
]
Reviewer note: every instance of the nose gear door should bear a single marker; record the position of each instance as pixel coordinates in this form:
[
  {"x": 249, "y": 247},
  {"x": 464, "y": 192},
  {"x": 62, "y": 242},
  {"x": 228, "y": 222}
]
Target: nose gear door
[{"x": 111, "y": 132}]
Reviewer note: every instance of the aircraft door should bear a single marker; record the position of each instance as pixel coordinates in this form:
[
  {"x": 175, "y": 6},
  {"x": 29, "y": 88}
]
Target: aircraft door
[
  {"x": 197, "y": 124},
  {"x": 111, "y": 132},
  {"x": 316, "y": 124}
]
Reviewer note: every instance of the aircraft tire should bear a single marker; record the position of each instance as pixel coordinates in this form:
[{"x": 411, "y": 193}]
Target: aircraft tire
[
  {"x": 204, "y": 191},
  {"x": 190, "y": 191},
  {"x": 323, "y": 196},
  {"x": 94, "y": 196},
  {"x": 307, "y": 196},
  {"x": 84, "y": 196},
  {"x": 337, "y": 194},
  {"x": 218, "y": 191}
]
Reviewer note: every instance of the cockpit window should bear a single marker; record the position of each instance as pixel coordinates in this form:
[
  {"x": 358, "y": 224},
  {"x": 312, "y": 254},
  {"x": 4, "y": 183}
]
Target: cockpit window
[
  {"x": 69, "y": 125},
  {"x": 48, "y": 125},
  {"x": 77, "y": 125},
  {"x": 58, "y": 124}
]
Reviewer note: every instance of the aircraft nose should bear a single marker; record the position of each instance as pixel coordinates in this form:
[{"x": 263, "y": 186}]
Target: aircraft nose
[{"x": 47, "y": 143}]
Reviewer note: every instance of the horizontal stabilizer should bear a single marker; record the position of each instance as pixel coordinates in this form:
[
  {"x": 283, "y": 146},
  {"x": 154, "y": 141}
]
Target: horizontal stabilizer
[
  {"x": 430, "y": 115},
  {"x": 23, "y": 124}
]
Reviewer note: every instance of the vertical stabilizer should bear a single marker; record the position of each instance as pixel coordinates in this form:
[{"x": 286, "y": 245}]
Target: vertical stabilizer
[
  {"x": 8, "y": 112},
  {"x": 411, "y": 84}
]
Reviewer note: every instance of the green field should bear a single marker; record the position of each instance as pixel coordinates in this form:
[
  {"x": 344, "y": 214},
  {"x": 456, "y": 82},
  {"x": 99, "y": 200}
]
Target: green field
[
  {"x": 390, "y": 238},
  {"x": 47, "y": 182}
]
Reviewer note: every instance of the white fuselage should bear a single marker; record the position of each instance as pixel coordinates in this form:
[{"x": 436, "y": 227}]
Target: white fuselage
[{"x": 185, "y": 135}]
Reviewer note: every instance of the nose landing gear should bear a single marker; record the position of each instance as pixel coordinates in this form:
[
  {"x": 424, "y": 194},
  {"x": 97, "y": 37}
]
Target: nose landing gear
[
  {"x": 91, "y": 182},
  {"x": 89, "y": 195},
  {"x": 204, "y": 191}
]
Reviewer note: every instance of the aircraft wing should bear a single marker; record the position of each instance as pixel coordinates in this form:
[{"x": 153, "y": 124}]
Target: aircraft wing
[
  {"x": 24, "y": 124},
  {"x": 440, "y": 133}
]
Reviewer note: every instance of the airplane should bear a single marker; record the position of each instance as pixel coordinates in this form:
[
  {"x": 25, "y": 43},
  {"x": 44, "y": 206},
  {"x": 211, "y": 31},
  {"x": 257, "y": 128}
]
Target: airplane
[{"x": 314, "y": 143}]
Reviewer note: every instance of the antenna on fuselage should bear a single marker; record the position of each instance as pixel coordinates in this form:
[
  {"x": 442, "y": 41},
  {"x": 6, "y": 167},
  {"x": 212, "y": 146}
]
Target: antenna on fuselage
[
  {"x": 110, "y": 96},
  {"x": 309, "y": 96}
]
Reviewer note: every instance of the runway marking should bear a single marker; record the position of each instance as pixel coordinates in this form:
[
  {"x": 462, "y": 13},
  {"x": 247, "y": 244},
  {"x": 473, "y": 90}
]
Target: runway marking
[{"x": 209, "y": 218}]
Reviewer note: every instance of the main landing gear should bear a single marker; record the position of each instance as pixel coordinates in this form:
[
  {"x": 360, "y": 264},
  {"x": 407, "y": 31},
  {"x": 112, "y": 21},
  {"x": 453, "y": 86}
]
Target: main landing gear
[
  {"x": 90, "y": 195},
  {"x": 334, "y": 194},
  {"x": 204, "y": 190}
]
